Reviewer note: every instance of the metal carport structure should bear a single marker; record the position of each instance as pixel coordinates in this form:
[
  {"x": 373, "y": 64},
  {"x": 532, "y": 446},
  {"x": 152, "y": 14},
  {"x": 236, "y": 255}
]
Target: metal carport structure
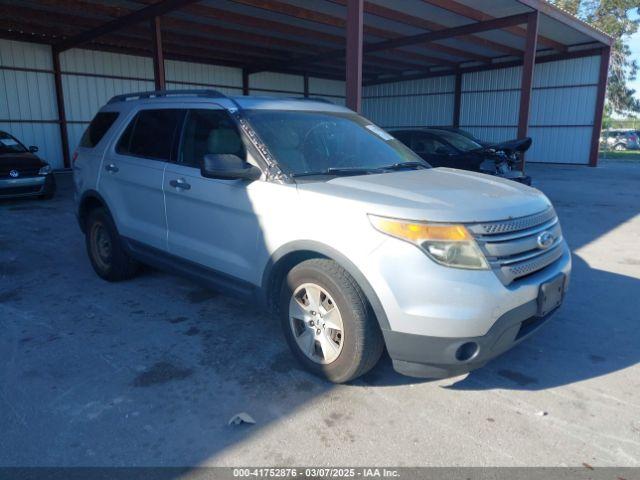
[{"x": 371, "y": 52}]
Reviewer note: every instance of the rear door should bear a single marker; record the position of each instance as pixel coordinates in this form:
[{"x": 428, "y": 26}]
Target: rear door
[
  {"x": 211, "y": 222},
  {"x": 133, "y": 171}
]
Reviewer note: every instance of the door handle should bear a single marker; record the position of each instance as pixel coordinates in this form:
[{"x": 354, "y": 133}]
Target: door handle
[
  {"x": 111, "y": 168},
  {"x": 180, "y": 184}
]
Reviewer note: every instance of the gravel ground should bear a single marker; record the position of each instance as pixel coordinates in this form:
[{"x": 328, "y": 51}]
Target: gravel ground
[{"x": 148, "y": 372}]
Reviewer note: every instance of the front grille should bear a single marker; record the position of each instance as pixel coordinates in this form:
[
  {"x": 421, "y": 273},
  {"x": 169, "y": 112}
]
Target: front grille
[
  {"x": 23, "y": 172},
  {"x": 511, "y": 246}
]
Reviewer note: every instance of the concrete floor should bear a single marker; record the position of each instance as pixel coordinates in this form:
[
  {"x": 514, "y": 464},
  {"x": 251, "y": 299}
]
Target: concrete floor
[{"x": 149, "y": 372}]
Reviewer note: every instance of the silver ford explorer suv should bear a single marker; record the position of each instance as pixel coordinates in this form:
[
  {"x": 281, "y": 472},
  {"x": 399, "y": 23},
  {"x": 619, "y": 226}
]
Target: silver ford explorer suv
[{"x": 322, "y": 217}]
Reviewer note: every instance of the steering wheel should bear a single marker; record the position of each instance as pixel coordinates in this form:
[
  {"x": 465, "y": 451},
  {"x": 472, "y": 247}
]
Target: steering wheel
[{"x": 323, "y": 154}]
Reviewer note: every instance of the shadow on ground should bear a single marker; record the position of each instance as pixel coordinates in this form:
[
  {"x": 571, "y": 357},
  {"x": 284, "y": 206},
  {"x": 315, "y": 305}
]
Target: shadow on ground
[{"x": 148, "y": 372}]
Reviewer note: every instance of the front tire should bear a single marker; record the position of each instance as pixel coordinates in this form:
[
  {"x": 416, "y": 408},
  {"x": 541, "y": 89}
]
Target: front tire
[
  {"x": 104, "y": 247},
  {"x": 328, "y": 322}
]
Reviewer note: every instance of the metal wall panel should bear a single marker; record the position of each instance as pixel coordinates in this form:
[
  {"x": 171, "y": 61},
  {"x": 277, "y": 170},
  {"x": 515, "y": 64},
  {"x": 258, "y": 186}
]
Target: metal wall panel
[
  {"x": 25, "y": 55},
  {"x": 410, "y": 111},
  {"x": 411, "y": 87},
  {"x": 27, "y": 96},
  {"x": 106, "y": 63},
  {"x": 422, "y": 102},
  {"x": 214, "y": 75},
  {"x": 30, "y": 95},
  {"x": 190, "y": 86},
  {"x": 560, "y": 145},
  {"x": 266, "y": 83},
  {"x": 489, "y": 108},
  {"x": 575, "y": 71},
  {"x": 84, "y": 96},
  {"x": 323, "y": 86},
  {"x": 500, "y": 79},
  {"x": 563, "y": 106}
]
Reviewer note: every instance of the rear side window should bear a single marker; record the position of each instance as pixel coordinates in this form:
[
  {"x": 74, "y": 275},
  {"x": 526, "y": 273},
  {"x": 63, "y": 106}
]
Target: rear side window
[
  {"x": 100, "y": 124},
  {"x": 151, "y": 134}
]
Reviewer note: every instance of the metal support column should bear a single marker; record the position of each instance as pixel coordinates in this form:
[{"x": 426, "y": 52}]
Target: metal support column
[
  {"x": 354, "y": 54},
  {"x": 600, "y": 98},
  {"x": 527, "y": 77},
  {"x": 158, "y": 57},
  {"x": 62, "y": 116}
]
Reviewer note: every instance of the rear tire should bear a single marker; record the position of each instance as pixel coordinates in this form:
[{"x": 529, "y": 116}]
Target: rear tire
[
  {"x": 104, "y": 247},
  {"x": 337, "y": 320},
  {"x": 619, "y": 147}
]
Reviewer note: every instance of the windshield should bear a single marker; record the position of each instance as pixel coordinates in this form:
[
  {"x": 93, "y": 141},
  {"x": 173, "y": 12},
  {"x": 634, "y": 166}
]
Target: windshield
[
  {"x": 306, "y": 142},
  {"x": 8, "y": 144},
  {"x": 461, "y": 142}
]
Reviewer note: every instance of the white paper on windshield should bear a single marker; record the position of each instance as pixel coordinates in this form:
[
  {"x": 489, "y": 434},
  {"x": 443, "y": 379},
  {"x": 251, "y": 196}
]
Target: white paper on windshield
[
  {"x": 379, "y": 132},
  {"x": 8, "y": 142}
]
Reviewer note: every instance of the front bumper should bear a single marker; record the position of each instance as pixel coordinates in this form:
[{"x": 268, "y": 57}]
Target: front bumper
[
  {"x": 432, "y": 311},
  {"x": 27, "y": 186},
  {"x": 437, "y": 357}
]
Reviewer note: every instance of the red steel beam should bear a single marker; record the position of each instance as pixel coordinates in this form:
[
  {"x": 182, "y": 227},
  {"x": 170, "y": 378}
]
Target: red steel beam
[
  {"x": 478, "y": 15},
  {"x": 62, "y": 116},
  {"x": 146, "y": 13},
  {"x": 354, "y": 54},
  {"x": 158, "y": 56},
  {"x": 527, "y": 78},
  {"x": 600, "y": 96},
  {"x": 494, "y": 24}
]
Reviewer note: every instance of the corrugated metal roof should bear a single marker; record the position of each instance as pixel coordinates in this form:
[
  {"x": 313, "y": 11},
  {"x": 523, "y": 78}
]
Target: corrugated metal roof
[{"x": 258, "y": 33}]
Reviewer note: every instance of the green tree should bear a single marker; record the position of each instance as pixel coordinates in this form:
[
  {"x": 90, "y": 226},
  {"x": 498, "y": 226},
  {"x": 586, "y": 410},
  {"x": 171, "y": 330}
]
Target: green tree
[{"x": 613, "y": 17}]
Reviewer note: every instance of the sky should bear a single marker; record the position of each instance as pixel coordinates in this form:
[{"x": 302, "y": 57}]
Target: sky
[{"x": 634, "y": 44}]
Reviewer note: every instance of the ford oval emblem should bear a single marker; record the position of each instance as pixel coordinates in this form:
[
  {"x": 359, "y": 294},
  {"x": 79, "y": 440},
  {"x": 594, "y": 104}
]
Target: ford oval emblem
[
  {"x": 14, "y": 174},
  {"x": 545, "y": 240}
]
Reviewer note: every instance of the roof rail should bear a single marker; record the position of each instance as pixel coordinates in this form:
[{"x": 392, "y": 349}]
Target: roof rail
[
  {"x": 165, "y": 93},
  {"x": 312, "y": 99}
]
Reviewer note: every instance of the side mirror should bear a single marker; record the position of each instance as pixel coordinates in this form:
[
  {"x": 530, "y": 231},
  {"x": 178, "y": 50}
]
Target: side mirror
[
  {"x": 227, "y": 166},
  {"x": 33, "y": 149}
]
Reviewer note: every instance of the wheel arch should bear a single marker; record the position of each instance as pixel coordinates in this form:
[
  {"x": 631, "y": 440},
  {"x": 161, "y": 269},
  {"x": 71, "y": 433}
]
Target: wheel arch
[
  {"x": 89, "y": 201},
  {"x": 288, "y": 256}
]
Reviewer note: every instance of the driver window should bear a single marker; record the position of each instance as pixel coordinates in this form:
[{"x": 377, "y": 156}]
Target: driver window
[
  {"x": 206, "y": 132},
  {"x": 429, "y": 146}
]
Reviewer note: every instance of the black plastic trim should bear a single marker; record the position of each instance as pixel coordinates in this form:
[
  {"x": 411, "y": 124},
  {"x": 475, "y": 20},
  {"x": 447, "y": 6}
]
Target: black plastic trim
[
  {"x": 435, "y": 357},
  {"x": 211, "y": 278}
]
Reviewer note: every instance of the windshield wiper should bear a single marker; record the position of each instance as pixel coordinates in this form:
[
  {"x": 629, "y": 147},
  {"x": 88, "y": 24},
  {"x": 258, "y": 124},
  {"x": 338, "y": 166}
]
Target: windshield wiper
[
  {"x": 400, "y": 165},
  {"x": 340, "y": 171}
]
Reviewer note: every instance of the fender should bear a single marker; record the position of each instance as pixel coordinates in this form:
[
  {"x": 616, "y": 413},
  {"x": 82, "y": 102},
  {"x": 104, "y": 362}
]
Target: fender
[
  {"x": 88, "y": 196},
  {"x": 313, "y": 248}
]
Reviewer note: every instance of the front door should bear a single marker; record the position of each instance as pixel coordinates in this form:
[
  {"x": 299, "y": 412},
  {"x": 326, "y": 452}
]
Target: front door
[{"x": 211, "y": 222}]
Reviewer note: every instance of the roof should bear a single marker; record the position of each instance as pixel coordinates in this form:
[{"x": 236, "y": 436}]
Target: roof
[{"x": 300, "y": 36}]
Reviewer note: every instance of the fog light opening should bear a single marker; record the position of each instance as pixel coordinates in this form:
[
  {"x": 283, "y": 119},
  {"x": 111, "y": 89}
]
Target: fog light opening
[{"x": 467, "y": 351}]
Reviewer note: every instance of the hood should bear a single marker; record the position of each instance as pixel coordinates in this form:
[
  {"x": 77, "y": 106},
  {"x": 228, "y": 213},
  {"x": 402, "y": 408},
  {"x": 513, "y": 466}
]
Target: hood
[
  {"x": 20, "y": 162},
  {"x": 436, "y": 194},
  {"x": 512, "y": 146}
]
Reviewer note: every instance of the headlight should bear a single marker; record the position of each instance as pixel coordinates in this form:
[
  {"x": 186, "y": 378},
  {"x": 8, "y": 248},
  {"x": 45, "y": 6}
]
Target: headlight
[
  {"x": 44, "y": 170},
  {"x": 450, "y": 245}
]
